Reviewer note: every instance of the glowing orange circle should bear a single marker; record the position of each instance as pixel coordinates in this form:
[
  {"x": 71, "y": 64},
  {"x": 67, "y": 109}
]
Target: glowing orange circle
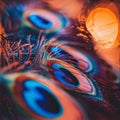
[{"x": 103, "y": 24}]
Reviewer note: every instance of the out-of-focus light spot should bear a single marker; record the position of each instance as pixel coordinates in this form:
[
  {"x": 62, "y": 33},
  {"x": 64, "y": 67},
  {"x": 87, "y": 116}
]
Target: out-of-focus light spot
[
  {"x": 72, "y": 8},
  {"x": 1, "y": 32},
  {"x": 103, "y": 25}
]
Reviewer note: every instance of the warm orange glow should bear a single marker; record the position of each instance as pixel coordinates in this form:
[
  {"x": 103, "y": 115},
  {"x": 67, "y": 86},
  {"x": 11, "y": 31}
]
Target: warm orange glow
[
  {"x": 71, "y": 8},
  {"x": 1, "y": 32},
  {"x": 104, "y": 26}
]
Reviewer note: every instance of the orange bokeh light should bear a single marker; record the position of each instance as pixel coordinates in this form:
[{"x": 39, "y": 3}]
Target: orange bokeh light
[
  {"x": 103, "y": 24},
  {"x": 1, "y": 32}
]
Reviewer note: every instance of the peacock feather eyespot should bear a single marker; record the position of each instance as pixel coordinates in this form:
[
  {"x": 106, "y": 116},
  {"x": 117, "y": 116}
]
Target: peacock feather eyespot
[
  {"x": 80, "y": 59},
  {"x": 37, "y": 96},
  {"x": 71, "y": 78},
  {"x": 59, "y": 60}
]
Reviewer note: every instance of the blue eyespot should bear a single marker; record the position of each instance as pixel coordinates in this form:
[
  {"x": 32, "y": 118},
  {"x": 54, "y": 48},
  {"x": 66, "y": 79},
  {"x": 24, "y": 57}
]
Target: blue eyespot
[
  {"x": 41, "y": 100},
  {"x": 80, "y": 60},
  {"x": 56, "y": 51},
  {"x": 62, "y": 54},
  {"x": 65, "y": 76},
  {"x": 40, "y": 22}
]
